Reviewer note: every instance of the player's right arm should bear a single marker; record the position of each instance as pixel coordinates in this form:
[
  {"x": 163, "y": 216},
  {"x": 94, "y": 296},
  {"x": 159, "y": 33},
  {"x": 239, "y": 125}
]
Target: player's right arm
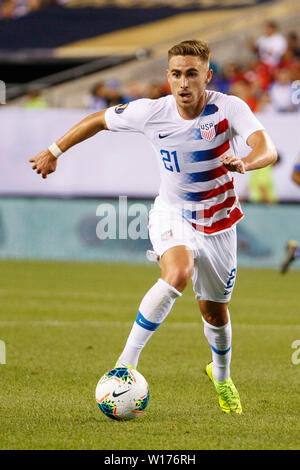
[{"x": 45, "y": 162}]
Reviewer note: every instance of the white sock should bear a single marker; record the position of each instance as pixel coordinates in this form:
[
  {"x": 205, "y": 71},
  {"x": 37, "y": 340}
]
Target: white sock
[
  {"x": 154, "y": 308},
  {"x": 219, "y": 339}
]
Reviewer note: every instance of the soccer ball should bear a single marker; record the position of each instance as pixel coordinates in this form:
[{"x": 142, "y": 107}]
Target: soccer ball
[{"x": 122, "y": 394}]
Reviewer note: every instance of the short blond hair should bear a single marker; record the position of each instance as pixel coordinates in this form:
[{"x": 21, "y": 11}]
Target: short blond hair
[{"x": 191, "y": 47}]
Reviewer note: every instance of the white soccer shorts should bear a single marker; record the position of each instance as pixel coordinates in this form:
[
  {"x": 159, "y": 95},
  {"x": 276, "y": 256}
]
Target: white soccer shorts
[{"x": 215, "y": 260}]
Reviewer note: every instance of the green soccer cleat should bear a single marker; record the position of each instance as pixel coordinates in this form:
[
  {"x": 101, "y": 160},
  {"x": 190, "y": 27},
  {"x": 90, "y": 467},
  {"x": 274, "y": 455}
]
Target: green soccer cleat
[
  {"x": 290, "y": 251},
  {"x": 229, "y": 399},
  {"x": 120, "y": 364}
]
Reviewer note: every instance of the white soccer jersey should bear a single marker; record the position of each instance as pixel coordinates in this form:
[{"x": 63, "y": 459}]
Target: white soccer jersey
[{"x": 192, "y": 176}]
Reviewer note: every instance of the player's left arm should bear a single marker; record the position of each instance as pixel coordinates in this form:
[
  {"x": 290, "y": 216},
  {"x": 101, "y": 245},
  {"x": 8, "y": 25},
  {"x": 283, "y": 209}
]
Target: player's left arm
[
  {"x": 263, "y": 154},
  {"x": 246, "y": 125}
]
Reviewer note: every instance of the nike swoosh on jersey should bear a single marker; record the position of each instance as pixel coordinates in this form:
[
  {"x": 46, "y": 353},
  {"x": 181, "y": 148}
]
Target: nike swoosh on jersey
[
  {"x": 163, "y": 136},
  {"x": 115, "y": 395}
]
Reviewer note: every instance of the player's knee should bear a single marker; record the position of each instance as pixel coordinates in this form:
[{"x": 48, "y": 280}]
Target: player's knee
[
  {"x": 214, "y": 313},
  {"x": 179, "y": 277}
]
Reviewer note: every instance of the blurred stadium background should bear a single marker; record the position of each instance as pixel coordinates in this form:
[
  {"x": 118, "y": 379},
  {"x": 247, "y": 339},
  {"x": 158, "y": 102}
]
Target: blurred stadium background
[{"x": 61, "y": 60}]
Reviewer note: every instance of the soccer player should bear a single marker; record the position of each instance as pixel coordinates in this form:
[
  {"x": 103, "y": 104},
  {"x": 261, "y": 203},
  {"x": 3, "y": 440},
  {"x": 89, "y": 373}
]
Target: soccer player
[
  {"x": 192, "y": 224},
  {"x": 292, "y": 249}
]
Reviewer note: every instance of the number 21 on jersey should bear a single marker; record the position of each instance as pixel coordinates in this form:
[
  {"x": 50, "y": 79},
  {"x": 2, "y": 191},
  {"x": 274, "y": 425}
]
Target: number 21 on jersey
[{"x": 170, "y": 160}]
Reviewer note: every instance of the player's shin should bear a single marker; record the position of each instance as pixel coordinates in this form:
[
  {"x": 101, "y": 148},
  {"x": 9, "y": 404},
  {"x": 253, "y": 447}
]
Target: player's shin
[
  {"x": 219, "y": 339},
  {"x": 153, "y": 309}
]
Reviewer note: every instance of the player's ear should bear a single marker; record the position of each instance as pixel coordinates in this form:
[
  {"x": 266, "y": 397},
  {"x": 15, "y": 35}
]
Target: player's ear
[{"x": 209, "y": 76}]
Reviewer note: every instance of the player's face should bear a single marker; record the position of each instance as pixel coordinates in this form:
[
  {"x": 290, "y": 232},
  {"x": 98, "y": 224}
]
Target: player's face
[{"x": 188, "y": 77}]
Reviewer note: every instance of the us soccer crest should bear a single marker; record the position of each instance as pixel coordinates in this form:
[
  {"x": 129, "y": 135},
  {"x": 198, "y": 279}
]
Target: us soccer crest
[{"x": 208, "y": 131}]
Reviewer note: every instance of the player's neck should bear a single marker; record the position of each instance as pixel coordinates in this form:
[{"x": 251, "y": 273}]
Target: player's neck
[{"x": 193, "y": 111}]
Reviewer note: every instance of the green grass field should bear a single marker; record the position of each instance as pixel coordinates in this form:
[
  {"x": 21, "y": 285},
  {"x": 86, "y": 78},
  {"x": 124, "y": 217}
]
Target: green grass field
[{"x": 65, "y": 324}]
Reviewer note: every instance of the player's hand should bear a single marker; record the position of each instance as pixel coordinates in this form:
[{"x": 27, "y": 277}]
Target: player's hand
[
  {"x": 233, "y": 163},
  {"x": 44, "y": 163}
]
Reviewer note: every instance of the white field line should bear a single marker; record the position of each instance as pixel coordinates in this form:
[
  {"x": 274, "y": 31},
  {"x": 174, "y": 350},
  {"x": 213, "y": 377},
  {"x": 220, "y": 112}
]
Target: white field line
[
  {"x": 92, "y": 324},
  {"x": 107, "y": 323},
  {"x": 124, "y": 296},
  {"x": 66, "y": 293},
  {"x": 54, "y": 294}
]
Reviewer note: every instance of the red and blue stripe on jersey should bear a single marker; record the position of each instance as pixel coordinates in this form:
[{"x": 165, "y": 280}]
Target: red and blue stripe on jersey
[{"x": 221, "y": 188}]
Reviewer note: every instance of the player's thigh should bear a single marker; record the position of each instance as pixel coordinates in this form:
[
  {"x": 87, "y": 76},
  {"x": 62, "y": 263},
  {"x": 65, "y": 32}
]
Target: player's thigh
[
  {"x": 177, "y": 265},
  {"x": 167, "y": 229}
]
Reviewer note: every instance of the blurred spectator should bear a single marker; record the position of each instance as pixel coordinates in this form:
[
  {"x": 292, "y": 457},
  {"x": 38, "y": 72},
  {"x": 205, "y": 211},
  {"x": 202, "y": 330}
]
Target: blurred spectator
[
  {"x": 97, "y": 100},
  {"x": 291, "y": 58},
  {"x": 244, "y": 90},
  {"x": 113, "y": 94},
  {"x": 7, "y": 9},
  {"x": 108, "y": 94},
  {"x": 293, "y": 44},
  {"x": 154, "y": 91},
  {"x": 257, "y": 74},
  {"x": 134, "y": 91},
  {"x": 17, "y": 8},
  {"x": 265, "y": 104},
  {"x": 261, "y": 185},
  {"x": 281, "y": 92},
  {"x": 229, "y": 75},
  {"x": 23, "y": 7},
  {"x": 34, "y": 99},
  {"x": 295, "y": 73},
  {"x": 33, "y": 5},
  {"x": 166, "y": 90},
  {"x": 271, "y": 46},
  {"x": 289, "y": 62},
  {"x": 292, "y": 249}
]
